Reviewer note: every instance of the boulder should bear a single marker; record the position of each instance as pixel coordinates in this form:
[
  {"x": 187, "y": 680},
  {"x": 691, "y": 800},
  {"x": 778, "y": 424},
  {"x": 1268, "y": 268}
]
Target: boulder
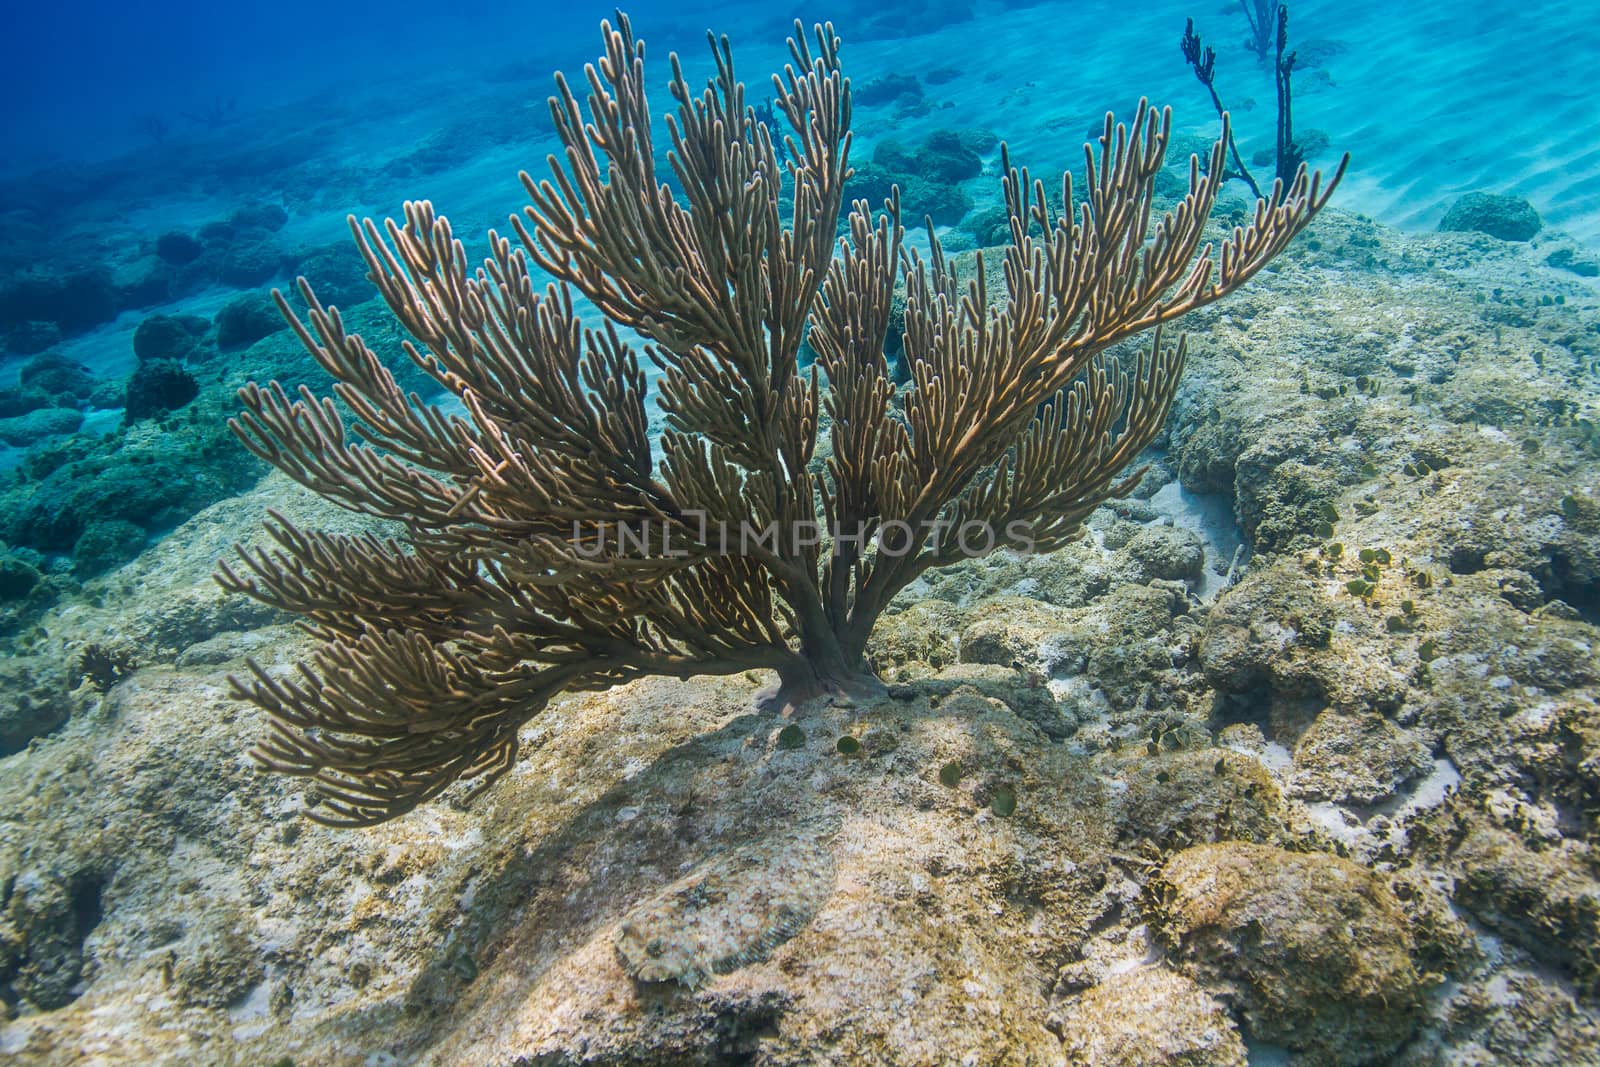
[
  {"x": 1316, "y": 949},
  {"x": 1510, "y": 218}
]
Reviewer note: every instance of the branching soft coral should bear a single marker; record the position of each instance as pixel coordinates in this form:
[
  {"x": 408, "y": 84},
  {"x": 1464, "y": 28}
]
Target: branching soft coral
[{"x": 554, "y": 544}]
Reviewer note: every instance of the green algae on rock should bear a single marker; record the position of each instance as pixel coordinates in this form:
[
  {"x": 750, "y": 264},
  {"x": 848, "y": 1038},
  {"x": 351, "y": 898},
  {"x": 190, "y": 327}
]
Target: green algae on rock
[{"x": 1315, "y": 949}]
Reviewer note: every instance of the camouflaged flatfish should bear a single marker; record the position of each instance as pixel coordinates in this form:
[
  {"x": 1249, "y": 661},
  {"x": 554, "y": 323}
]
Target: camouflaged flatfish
[{"x": 726, "y": 914}]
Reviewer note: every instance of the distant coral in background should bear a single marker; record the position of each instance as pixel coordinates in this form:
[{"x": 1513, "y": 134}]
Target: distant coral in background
[
  {"x": 1510, "y": 218},
  {"x": 157, "y": 387},
  {"x": 525, "y": 575},
  {"x": 1269, "y": 25},
  {"x": 1263, "y": 16}
]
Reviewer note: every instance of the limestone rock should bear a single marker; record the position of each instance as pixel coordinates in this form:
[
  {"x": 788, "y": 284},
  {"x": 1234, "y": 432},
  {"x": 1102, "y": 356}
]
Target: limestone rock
[
  {"x": 1181, "y": 798},
  {"x": 1510, "y": 218},
  {"x": 218, "y": 964},
  {"x": 1151, "y": 1017},
  {"x": 1515, "y": 1018},
  {"x": 1542, "y": 900},
  {"x": 35, "y": 698},
  {"x": 1315, "y": 948},
  {"x": 1360, "y": 758},
  {"x": 1168, "y": 552},
  {"x": 38, "y": 424},
  {"x": 925, "y": 634}
]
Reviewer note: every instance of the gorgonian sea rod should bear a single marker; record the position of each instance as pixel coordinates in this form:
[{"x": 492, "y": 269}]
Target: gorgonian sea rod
[{"x": 508, "y": 590}]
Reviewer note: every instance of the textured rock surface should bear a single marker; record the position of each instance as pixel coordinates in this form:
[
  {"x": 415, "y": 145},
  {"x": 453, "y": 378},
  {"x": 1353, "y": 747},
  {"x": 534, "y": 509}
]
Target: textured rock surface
[
  {"x": 1510, "y": 218},
  {"x": 1317, "y": 950},
  {"x": 1150, "y": 1017},
  {"x": 35, "y": 698},
  {"x": 1359, "y": 758},
  {"x": 38, "y": 424}
]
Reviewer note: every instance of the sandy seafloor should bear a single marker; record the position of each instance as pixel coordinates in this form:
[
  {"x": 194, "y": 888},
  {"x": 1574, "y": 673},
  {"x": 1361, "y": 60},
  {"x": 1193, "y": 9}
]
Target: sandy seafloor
[{"x": 1369, "y": 839}]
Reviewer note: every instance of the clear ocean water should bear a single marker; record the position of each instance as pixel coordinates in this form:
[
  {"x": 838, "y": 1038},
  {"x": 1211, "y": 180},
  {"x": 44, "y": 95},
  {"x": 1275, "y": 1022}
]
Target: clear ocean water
[{"x": 1293, "y": 757}]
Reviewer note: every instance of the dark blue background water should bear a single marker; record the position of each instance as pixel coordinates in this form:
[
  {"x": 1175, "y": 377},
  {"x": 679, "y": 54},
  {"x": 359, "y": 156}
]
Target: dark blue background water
[
  {"x": 79, "y": 75},
  {"x": 1433, "y": 100}
]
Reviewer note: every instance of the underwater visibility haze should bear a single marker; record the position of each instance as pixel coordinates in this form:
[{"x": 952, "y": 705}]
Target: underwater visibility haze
[{"x": 986, "y": 532}]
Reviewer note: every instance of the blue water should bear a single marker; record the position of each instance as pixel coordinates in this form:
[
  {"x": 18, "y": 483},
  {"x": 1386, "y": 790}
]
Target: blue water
[
  {"x": 89, "y": 72},
  {"x": 1430, "y": 98}
]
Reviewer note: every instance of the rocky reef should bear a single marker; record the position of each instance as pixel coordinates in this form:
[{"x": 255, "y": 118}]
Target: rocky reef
[{"x": 1298, "y": 751}]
